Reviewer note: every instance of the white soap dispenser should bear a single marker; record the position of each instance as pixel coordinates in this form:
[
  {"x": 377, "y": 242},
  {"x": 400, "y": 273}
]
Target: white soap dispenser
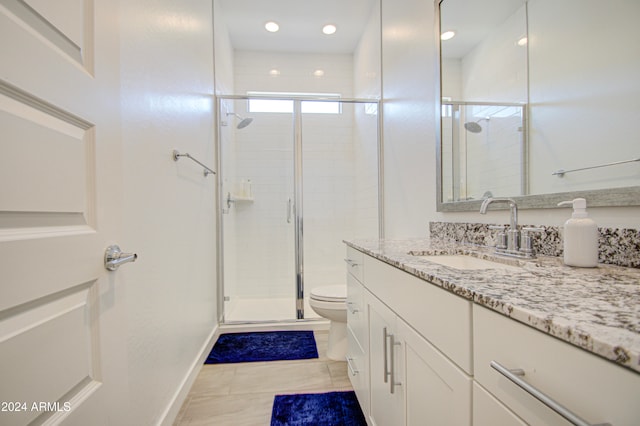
[{"x": 580, "y": 236}]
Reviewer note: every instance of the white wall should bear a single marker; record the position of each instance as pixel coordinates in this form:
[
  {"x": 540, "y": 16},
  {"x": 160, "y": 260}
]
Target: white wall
[
  {"x": 251, "y": 70},
  {"x": 223, "y": 51},
  {"x": 409, "y": 115},
  {"x": 367, "y": 84},
  {"x": 169, "y": 216}
]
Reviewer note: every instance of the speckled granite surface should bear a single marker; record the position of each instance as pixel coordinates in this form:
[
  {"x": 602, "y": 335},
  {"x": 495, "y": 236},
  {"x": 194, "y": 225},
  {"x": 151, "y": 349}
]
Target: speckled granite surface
[
  {"x": 597, "y": 309},
  {"x": 617, "y": 246}
]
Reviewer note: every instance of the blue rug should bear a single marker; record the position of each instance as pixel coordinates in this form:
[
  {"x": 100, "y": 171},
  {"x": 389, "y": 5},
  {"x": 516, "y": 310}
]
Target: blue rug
[
  {"x": 319, "y": 409},
  {"x": 263, "y": 346}
]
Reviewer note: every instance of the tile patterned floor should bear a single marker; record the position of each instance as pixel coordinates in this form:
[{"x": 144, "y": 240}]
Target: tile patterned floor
[{"x": 242, "y": 394}]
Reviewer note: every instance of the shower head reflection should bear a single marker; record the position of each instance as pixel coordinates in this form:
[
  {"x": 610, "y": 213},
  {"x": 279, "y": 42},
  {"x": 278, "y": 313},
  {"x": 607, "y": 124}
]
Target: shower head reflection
[
  {"x": 473, "y": 126},
  {"x": 244, "y": 122}
]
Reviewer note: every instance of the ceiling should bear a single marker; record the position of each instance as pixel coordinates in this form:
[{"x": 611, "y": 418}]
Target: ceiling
[
  {"x": 473, "y": 20},
  {"x": 300, "y": 21}
]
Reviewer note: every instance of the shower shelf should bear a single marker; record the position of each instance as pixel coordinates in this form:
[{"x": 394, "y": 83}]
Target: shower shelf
[{"x": 237, "y": 198}]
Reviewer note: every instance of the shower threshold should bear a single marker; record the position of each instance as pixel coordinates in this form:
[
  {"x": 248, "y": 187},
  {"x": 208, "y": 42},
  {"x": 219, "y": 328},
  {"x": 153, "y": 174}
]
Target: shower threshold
[{"x": 257, "y": 310}]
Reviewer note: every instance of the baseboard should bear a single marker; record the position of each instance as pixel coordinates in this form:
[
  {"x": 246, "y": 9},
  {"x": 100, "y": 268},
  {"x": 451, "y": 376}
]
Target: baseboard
[{"x": 171, "y": 412}]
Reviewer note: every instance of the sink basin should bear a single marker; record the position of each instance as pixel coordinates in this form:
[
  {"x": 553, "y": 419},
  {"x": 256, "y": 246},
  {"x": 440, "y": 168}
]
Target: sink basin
[{"x": 469, "y": 263}]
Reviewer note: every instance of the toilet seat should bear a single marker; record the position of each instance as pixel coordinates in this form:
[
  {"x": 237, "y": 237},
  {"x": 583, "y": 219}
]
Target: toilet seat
[{"x": 331, "y": 293}]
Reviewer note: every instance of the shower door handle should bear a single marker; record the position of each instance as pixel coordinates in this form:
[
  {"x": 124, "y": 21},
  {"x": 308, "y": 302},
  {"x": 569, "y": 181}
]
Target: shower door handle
[{"x": 289, "y": 205}]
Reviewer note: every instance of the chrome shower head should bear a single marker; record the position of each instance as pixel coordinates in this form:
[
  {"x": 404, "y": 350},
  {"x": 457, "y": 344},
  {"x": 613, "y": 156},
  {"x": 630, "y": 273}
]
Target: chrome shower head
[
  {"x": 244, "y": 122},
  {"x": 473, "y": 126}
]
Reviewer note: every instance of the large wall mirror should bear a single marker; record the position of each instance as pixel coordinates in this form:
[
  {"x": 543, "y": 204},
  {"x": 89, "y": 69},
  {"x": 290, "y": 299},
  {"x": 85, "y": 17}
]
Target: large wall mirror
[{"x": 540, "y": 102}]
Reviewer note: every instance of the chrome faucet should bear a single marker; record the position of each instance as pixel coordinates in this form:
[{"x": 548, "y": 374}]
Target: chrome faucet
[
  {"x": 513, "y": 234},
  {"x": 510, "y": 243}
]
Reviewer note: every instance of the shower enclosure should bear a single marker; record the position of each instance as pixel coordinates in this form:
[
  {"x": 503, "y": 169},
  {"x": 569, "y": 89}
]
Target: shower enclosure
[{"x": 298, "y": 175}]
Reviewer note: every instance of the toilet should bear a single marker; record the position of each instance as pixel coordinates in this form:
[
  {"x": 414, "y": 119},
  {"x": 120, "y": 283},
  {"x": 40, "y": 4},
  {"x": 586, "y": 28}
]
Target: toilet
[{"x": 330, "y": 302}]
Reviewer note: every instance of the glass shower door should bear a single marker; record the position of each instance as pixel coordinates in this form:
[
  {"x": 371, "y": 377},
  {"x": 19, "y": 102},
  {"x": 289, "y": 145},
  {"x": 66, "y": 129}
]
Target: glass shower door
[
  {"x": 340, "y": 189},
  {"x": 257, "y": 196}
]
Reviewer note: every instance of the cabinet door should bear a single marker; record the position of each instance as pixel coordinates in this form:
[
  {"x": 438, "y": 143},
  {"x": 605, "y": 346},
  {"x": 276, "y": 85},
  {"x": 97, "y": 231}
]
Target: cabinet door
[
  {"x": 437, "y": 391},
  {"x": 386, "y": 367},
  {"x": 488, "y": 411}
]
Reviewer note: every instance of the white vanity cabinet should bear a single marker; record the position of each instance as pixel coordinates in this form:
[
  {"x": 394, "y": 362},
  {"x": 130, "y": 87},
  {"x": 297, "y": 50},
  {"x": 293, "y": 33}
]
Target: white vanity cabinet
[
  {"x": 592, "y": 388},
  {"x": 412, "y": 383},
  {"x": 414, "y": 376},
  {"x": 428, "y": 357},
  {"x": 357, "y": 329}
]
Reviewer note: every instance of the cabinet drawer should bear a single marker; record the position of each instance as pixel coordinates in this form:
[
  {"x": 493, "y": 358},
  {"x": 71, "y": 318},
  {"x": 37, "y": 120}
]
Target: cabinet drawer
[
  {"x": 355, "y": 263},
  {"x": 595, "y": 389},
  {"x": 443, "y": 318},
  {"x": 356, "y": 311},
  {"x": 358, "y": 371}
]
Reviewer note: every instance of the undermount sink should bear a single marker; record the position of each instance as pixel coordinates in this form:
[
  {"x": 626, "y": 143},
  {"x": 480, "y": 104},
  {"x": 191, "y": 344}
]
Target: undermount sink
[{"x": 461, "y": 261}]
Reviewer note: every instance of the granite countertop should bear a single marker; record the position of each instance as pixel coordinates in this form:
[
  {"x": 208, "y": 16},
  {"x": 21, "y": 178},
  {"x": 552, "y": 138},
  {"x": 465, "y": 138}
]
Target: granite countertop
[{"x": 597, "y": 309}]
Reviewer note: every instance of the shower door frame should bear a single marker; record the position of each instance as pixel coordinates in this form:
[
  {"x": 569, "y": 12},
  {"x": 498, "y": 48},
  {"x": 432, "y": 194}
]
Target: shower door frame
[{"x": 298, "y": 193}]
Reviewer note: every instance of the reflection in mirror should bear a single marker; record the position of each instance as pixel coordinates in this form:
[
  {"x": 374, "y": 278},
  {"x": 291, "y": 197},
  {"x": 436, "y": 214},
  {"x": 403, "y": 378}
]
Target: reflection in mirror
[
  {"x": 483, "y": 147},
  {"x": 573, "y": 66},
  {"x": 484, "y": 90}
]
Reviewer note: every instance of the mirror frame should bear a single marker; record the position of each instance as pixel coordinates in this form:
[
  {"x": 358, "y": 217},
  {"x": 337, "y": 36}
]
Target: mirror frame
[{"x": 610, "y": 197}]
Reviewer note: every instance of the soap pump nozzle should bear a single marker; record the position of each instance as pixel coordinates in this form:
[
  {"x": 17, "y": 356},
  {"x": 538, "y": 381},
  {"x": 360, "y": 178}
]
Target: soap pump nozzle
[{"x": 579, "y": 207}]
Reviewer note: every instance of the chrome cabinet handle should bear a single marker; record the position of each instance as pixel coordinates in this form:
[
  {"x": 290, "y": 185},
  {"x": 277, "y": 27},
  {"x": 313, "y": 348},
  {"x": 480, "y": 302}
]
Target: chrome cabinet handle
[
  {"x": 114, "y": 257},
  {"x": 289, "y": 211},
  {"x": 392, "y": 371},
  {"x": 351, "y": 369},
  {"x": 351, "y": 308},
  {"x": 384, "y": 351},
  {"x": 351, "y": 262},
  {"x": 540, "y": 396}
]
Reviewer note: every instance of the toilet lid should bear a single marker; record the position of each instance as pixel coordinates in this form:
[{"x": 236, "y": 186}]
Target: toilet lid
[{"x": 331, "y": 293}]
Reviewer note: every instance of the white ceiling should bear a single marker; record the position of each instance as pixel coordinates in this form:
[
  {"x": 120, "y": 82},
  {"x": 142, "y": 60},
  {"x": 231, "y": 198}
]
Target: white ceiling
[
  {"x": 473, "y": 20},
  {"x": 300, "y": 21}
]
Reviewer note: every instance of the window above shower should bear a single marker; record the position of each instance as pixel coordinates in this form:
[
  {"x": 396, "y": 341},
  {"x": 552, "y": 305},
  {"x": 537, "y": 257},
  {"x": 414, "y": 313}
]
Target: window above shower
[{"x": 276, "y": 105}]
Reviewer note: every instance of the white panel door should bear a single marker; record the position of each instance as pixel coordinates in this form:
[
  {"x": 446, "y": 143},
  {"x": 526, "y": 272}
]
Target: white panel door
[{"x": 62, "y": 350}]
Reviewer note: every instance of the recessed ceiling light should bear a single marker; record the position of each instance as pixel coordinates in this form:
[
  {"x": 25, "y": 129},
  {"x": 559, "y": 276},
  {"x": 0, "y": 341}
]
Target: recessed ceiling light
[
  {"x": 329, "y": 29},
  {"x": 447, "y": 35},
  {"x": 274, "y": 72},
  {"x": 522, "y": 42},
  {"x": 271, "y": 26},
  {"x": 318, "y": 73}
]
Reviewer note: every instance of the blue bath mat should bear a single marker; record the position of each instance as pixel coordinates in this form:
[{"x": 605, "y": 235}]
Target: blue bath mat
[
  {"x": 263, "y": 346},
  {"x": 317, "y": 409}
]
